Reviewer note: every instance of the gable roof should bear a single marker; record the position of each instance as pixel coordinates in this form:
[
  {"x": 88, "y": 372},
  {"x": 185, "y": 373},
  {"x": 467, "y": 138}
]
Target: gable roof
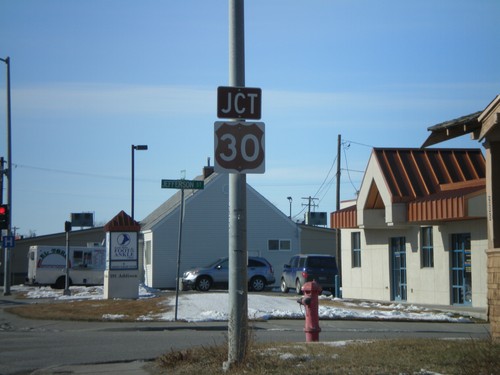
[
  {"x": 122, "y": 223},
  {"x": 433, "y": 183},
  {"x": 412, "y": 173},
  {"x": 172, "y": 203}
]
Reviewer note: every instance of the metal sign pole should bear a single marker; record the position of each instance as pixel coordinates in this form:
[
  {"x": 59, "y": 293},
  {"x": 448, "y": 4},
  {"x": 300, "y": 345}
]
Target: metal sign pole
[
  {"x": 181, "y": 220},
  {"x": 8, "y": 172},
  {"x": 238, "y": 294},
  {"x": 67, "y": 228}
]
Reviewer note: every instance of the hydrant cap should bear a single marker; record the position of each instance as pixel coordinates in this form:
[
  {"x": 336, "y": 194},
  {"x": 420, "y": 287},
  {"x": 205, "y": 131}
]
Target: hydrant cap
[{"x": 312, "y": 286}]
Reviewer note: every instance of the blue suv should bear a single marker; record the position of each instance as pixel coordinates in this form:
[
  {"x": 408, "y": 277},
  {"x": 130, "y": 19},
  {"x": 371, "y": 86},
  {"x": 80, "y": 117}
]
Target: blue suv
[{"x": 308, "y": 267}]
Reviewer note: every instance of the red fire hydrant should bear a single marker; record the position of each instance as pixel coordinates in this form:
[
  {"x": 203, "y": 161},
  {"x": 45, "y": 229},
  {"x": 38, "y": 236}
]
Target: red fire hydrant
[{"x": 311, "y": 291}]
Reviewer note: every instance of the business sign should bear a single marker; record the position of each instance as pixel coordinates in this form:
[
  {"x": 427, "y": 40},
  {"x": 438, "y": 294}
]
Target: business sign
[
  {"x": 239, "y": 147},
  {"x": 82, "y": 219},
  {"x": 122, "y": 251},
  {"x": 239, "y": 102}
]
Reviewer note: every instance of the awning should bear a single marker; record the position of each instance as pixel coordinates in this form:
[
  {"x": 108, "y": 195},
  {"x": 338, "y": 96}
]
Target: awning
[{"x": 453, "y": 128}]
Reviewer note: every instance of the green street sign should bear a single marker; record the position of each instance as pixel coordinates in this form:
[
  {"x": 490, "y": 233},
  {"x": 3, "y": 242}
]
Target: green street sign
[{"x": 182, "y": 184}]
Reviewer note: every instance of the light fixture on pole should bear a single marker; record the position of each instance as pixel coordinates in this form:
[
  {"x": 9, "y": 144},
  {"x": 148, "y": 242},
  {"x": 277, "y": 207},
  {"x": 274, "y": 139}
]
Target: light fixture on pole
[
  {"x": 290, "y": 200},
  {"x": 138, "y": 147},
  {"x": 8, "y": 173}
]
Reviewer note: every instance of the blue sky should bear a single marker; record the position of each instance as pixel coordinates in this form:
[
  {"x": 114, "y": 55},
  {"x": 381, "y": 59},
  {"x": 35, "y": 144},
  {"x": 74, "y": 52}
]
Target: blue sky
[{"x": 91, "y": 78}]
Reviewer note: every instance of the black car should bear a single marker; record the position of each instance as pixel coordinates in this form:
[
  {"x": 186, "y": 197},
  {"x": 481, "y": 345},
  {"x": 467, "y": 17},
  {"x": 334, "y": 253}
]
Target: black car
[{"x": 308, "y": 267}]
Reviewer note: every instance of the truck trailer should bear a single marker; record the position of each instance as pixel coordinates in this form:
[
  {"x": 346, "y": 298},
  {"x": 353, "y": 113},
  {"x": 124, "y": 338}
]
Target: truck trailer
[{"x": 47, "y": 266}]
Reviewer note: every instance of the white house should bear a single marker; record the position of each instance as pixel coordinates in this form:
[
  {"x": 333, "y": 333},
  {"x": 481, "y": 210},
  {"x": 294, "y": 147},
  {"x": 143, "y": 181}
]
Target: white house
[
  {"x": 270, "y": 233},
  {"x": 417, "y": 231}
]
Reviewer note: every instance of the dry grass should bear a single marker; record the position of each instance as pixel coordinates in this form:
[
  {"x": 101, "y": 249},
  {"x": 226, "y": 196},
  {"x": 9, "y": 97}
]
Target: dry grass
[
  {"x": 93, "y": 310},
  {"x": 378, "y": 357}
]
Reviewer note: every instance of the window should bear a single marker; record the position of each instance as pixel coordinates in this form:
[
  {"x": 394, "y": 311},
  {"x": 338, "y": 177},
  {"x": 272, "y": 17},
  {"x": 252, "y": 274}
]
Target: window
[
  {"x": 279, "y": 245},
  {"x": 254, "y": 263},
  {"x": 427, "y": 247},
  {"x": 223, "y": 265},
  {"x": 356, "y": 249},
  {"x": 82, "y": 258}
]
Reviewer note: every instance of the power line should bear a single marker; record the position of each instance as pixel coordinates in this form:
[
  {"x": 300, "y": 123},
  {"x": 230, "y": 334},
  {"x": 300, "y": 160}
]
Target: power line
[
  {"x": 74, "y": 173},
  {"x": 357, "y": 143},
  {"x": 327, "y": 175},
  {"x": 349, "y": 174}
]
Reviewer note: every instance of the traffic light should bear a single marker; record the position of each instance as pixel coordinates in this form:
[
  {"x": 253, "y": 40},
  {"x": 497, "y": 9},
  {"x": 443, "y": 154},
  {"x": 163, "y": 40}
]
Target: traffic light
[
  {"x": 4, "y": 216},
  {"x": 67, "y": 226}
]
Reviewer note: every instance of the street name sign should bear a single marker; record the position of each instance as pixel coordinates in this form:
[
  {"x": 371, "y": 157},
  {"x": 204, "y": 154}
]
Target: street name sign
[
  {"x": 239, "y": 102},
  {"x": 182, "y": 184},
  {"x": 239, "y": 147}
]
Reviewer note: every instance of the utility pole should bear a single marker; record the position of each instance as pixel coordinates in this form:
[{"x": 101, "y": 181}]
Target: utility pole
[
  {"x": 8, "y": 173},
  {"x": 338, "y": 251},
  {"x": 1, "y": 179},
  {"x": 310, "y": 203},
  {"x": 238, "y": 293}
]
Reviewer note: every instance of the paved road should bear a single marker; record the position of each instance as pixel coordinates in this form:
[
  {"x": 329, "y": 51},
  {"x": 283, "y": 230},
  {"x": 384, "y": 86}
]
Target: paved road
[{"x": 26, "y": 345}]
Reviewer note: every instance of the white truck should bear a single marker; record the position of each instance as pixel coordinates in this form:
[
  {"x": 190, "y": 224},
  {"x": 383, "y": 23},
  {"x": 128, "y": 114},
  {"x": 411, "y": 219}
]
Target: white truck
[{"x": 47, "y": 266}]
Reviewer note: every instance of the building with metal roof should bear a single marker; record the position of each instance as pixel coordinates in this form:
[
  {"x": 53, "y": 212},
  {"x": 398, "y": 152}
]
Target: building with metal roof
[{"x": 417, "y": 230}]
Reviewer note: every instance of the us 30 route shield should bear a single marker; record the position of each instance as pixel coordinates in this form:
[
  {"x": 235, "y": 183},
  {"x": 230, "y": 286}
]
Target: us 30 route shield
[{"x": 239, "y": 147}]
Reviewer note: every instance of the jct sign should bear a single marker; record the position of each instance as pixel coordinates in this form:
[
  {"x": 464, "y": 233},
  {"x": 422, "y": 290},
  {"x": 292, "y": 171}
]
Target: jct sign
[
  {"x": 239, "y": 147},
  {"x": 239, "y": 102}
]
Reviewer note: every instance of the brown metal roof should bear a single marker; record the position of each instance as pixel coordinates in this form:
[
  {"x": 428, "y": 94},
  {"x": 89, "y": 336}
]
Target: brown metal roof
[
  {"x": 418, "y": 173},
  {"x": 345, "y": 218},
  {"x": 446, "y": 205},
  {"x": 122, "y": 223},
  {"x": 435, "y": 183}
]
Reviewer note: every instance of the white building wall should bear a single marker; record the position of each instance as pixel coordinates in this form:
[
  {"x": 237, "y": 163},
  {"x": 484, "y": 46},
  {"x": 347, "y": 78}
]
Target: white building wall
[
  {"x": 146, "y": 253},
  {"x": 265, "y": 222},
  {"x": 203, "y": 237},
  {"x": 205, "y": 233}
]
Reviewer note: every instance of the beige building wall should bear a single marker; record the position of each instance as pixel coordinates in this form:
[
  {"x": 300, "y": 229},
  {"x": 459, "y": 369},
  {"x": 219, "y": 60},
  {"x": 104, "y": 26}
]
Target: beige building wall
[{"x": 372, "y": 280}]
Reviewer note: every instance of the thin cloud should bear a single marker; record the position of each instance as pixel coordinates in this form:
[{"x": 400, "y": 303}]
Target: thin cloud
[{"x": 75, "y": 98}]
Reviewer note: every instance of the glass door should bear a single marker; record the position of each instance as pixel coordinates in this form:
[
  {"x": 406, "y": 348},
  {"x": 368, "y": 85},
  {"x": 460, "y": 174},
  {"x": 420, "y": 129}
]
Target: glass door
[
  {"x": 398, "y": 268},
  {"x": 461, "y": 275}
]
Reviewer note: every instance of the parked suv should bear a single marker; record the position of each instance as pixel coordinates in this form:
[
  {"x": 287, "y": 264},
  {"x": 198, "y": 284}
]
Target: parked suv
[
  {"x": 309, "y": 267},
  {"x": 260, "y": 273}
]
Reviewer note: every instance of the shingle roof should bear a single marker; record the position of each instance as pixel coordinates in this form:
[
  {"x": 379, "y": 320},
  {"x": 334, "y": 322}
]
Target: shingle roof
[{"x": 453, "y": 128}]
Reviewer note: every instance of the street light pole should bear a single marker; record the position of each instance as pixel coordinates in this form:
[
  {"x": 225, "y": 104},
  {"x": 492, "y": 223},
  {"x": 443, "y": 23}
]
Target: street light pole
[
  {"x": 8, "y": 173},
  {"x": 138, "y": 147},
  {"x": 290, "y": 200}
]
